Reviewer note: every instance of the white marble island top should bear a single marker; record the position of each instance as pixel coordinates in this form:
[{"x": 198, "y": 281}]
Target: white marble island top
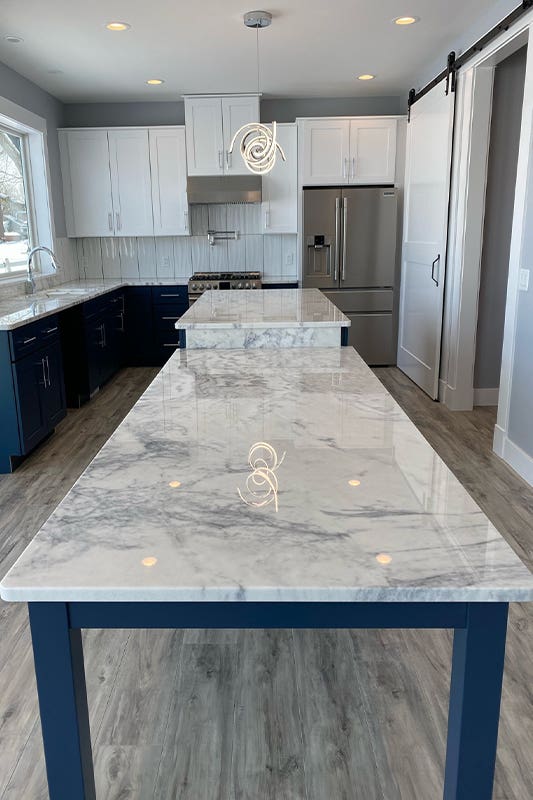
[
  {"x": 265, "y": 308},
  {"x": 350, "y": 503}
]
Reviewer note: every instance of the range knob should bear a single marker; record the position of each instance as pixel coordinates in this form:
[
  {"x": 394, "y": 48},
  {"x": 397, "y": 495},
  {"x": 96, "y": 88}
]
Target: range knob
[
  {"x": 254, "y": 286},
  {"x": 201, "y": 287},
  {"x": 193, "y": 287},
  {"x": 208, "y": 286},
  {"x": 239, "y": 286}
]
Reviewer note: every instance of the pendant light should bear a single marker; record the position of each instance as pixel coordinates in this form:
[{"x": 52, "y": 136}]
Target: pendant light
[{"x": 258, "y": 147}]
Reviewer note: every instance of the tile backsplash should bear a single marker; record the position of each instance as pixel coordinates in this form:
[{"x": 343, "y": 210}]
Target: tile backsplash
[{"x": 179, "y": 256}]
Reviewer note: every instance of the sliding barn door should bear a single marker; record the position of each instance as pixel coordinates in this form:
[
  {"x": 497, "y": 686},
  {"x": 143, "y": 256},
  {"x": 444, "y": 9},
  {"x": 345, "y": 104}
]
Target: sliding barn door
[{"x": 427, "y": 191}]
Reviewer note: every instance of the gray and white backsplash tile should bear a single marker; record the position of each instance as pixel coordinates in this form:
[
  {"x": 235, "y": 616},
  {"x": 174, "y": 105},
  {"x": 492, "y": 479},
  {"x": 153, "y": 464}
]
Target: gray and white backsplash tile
[{"x": 178, "y": 257}]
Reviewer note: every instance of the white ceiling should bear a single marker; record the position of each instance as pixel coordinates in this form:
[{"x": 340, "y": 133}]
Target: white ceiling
[{"x": 314, "y": 48}]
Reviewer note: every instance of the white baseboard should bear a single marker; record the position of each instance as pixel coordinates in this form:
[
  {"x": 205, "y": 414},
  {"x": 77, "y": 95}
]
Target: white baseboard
[
  {"x": 520, "y": 461},
  {"x": 486, "y": 397}
]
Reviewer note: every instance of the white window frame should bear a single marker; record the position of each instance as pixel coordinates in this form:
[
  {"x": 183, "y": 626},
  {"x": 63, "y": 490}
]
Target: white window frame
[{"x": 37, "y": 177}]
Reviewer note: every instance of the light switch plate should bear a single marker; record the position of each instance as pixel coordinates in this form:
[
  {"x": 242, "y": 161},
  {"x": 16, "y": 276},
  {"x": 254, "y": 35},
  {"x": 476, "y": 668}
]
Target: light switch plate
[{"x": 523, "y": 281}]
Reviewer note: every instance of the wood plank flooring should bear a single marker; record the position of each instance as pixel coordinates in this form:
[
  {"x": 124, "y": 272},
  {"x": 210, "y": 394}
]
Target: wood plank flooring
[{"x": 263, "y": 715}]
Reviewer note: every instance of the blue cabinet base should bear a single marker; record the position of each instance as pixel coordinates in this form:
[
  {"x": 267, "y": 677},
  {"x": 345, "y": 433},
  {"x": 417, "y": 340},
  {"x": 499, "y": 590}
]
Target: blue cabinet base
[{"x": 477, "y": 672}]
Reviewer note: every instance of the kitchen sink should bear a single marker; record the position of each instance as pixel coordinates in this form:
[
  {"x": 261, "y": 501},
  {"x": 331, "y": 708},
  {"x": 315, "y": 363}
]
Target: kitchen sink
[{"x": 59, "y": 292}]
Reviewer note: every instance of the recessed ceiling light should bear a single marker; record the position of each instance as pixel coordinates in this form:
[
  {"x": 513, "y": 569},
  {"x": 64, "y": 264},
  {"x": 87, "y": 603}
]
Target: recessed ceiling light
[
  {"x": 405, "y": 20},
  {"x": 118, "y": 26},
  {"x": 383, "y": 558},
  {"x": 150, "y": 561},
  {"x": 175, "y": 484},
  {"x": 365, "y": 77},
  {"x": 155, "y": 81},
  {"x": 13, "y": 39}
]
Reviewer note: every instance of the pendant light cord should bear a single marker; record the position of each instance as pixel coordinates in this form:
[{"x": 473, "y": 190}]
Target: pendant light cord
[{"x": 257, "y": 52}]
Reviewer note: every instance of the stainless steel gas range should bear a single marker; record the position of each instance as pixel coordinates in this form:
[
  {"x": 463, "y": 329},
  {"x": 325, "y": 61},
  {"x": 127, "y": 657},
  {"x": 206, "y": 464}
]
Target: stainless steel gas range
[{"x": 202, "y": 282}]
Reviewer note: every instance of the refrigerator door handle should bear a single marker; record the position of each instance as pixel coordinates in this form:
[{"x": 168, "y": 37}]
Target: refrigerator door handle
[
  {"x": 337, "y": 236},
  {"x": 344, "y": 221}
]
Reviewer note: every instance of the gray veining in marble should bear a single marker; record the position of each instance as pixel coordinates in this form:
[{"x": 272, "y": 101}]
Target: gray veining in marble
[
  {"x": 251, "y": 338},
  {"x": 268, "y": 308},
  {"x": 166, "y": 510}
]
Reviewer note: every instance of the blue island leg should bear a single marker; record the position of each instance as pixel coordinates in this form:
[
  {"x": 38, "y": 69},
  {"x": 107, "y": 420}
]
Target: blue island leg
[
  {"x": 60, "y": 673},
  {"x": 475, "y": 694}
]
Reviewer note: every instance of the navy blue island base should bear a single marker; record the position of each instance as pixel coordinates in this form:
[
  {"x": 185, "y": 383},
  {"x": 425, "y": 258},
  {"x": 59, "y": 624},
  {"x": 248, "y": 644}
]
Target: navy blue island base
[{"x": 475, "y": 692}]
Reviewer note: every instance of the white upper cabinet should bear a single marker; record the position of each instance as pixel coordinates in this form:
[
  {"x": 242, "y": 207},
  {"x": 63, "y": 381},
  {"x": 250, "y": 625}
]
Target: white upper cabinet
[
  {"x": 210, "y": 124},
  {"x": 86, "y": 183},
  {"x": 236, "y": 112},
  {"x": 205, "y": 142},
  {"x": 131, "y": 182},
  {"x": 348, "y": 151},
  {"x": 325, "y": 151},
  {"x": 280, "y": 185},
  {"x": 169, "y": 181},
  {"x": 125, "y": 181},
  {"x": 372, "y": 150}
]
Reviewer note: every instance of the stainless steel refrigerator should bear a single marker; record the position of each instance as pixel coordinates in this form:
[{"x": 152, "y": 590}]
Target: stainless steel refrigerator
[{"x": 349, "y": 243}]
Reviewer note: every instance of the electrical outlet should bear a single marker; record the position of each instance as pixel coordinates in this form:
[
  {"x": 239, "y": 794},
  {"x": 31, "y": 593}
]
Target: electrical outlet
[
  {"x": 289, "y": 259},
  {"x": 523, "y": 281},
  {"x": 84, "y": 263},
  {"x": 165, "y": 262}
]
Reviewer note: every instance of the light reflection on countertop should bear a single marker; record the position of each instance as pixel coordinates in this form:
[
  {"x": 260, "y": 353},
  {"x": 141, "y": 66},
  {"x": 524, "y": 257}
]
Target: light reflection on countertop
[{"x": 367, "y": 511}]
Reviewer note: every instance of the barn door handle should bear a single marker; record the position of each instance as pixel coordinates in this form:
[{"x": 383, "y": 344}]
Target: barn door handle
[{"x": 434, "y": 264}]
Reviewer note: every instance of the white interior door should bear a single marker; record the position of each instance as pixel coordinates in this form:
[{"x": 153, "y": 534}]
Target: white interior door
[{"x": 427, "y": 191}]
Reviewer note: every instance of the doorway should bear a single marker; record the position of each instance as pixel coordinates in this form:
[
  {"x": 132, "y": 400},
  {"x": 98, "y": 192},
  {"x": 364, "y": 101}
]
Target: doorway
[{"x": 506, "y": 120}]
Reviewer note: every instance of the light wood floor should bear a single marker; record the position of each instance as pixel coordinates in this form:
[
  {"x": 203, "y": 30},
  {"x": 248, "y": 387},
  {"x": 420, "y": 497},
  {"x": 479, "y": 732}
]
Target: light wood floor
[{"x": 263, "y": 715}]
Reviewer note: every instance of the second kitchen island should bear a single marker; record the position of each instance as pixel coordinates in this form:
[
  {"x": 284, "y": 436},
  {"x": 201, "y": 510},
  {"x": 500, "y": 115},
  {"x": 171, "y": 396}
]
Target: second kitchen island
[{"x": 229, "y": 320}]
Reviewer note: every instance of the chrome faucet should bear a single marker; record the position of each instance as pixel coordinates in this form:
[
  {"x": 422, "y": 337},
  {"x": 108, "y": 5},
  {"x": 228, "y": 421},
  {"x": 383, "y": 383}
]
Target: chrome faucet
[{"x": 30, "y": 283}]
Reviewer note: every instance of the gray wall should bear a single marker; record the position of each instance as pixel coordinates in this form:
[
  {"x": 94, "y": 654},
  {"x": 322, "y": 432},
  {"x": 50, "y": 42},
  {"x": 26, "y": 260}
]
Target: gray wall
[
  {"x": 503, "y": 156},
  {"x": 156, "y": 113},
  {"x": 26, "y": 94}
]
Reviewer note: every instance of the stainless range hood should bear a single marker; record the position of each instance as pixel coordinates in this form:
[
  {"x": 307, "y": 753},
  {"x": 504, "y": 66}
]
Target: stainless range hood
[{"x": 224, "y": 189}]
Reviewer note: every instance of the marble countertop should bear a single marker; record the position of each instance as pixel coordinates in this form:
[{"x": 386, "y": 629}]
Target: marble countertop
[
  {"x": 267, "y": 308},
  {"x": 20, "y": 310},
  {"x": 267, "y": 476}
]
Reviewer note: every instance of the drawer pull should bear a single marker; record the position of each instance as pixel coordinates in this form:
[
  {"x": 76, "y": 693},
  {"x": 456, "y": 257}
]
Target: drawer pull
[
  {"x": 170, "y": 295},
  {"x": 171, "y": 317},
  {"x": 27, "y": 341},
  {"x": 175, "y": 344},
  {"x": 50, "y": 330}
]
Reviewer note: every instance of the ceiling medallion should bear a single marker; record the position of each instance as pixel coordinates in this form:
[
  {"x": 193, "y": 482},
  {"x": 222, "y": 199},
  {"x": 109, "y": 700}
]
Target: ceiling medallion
[{"x": 258, "y": 147}]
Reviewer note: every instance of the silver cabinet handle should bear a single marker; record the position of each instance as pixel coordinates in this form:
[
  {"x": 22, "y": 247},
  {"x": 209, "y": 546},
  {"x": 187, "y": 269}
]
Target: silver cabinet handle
[
  {"x": 353, "y": 168},
  {"x": 101, "y": 328},
  {"x": 435, "y": 263},
  {"x": 337, "y": 235},
  {"x": 50, "y": 330},
  {"x": 344, "y": 226},
  {"x": 44, "y": 372},
  {"x": 229, "y": 159},
  {"x": 170, "y": 295},
  {"x": 31, "y": 339},
  {"x": 48, "y": 371},
  {"x": 110, "y": 221},
  {"x": 267, "y": 219},
  {"x": 185, "y": 219},
  {"x": 220, "y": 159},
  {"x": 174, "y": 318},
  {"x": 117, "y": 218},
  {"x": 345, "y": 172},
  {"x": 121, "y": 318}
]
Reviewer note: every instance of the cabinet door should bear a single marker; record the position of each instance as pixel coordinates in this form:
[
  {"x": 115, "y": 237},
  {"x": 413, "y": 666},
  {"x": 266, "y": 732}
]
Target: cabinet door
[
  {"x": 86, "y": 183},
  {"x": 30, "y": 379},
  {"x": 53, "y": 394},
  {"x": 168, "y": 163},
  {"x": 372, "y": 150},
  {"x": 205, "y": 143},
  {"x": 131, "y": 182},
  {"x": 280, "y": 186},
  {"x": 236, "y": 112},
  {"x": 325, "y": 151}
]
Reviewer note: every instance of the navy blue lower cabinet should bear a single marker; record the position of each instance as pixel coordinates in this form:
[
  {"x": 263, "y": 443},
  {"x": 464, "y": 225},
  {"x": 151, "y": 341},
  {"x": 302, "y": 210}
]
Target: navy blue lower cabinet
[
  {"x": 32, "y": 389},
  {"x": 139, "y": 327},
  {"x": 93, "y": 337}
]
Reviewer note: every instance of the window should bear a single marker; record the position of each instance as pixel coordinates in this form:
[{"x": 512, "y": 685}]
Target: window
[{"x": 15, "y": 210}]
